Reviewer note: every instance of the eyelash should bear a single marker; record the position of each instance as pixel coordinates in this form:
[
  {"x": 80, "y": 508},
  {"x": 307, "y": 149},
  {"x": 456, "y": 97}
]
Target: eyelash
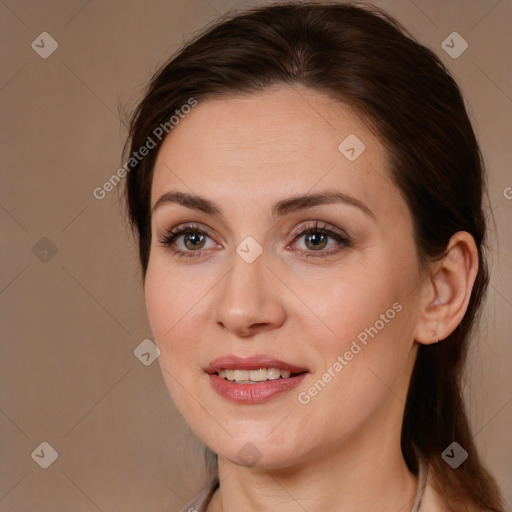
[{"x": 170, "y": 236}]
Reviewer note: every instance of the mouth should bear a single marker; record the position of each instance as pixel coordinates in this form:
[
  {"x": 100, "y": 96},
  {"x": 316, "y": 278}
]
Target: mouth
[{"x": 254, "y": 379}]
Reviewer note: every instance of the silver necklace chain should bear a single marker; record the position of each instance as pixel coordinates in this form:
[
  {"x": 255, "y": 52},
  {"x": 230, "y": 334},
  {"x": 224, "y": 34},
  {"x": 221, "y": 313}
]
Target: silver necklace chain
[{"x": 422, "y": 482}]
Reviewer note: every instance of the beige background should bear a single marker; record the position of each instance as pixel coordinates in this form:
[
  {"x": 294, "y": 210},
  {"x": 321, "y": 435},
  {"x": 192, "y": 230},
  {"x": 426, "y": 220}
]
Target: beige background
[{"x": 70, "y": 324}]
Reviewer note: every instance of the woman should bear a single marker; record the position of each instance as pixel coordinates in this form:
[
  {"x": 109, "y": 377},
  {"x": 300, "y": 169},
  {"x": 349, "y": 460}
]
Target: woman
[{"x": 311, "y": 238}]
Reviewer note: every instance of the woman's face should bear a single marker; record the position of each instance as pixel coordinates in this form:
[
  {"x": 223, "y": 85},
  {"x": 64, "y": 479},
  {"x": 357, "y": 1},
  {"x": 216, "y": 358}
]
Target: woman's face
[{"x": 246, "y": 283}]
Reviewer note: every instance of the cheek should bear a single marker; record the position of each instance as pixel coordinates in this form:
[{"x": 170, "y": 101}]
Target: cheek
[
  {"x": 169, "y": 307},
  {"x": 171, "y": 299},
  {"x": 360, "y": 302},
  {"x": 367, "y": 336},
  {"x": 158, "y": 297},
  {"x": 176, "y": 304}
]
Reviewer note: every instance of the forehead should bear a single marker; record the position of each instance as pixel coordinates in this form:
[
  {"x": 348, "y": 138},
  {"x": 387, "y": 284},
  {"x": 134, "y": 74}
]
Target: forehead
[{"x": 283, "y": 141}]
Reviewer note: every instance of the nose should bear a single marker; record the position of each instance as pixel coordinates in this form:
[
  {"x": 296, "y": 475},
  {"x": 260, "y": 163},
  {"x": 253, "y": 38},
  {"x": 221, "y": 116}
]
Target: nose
[{"x": 249, "y": 299}]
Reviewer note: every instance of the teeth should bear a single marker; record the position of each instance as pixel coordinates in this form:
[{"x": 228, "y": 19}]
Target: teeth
[
  {"x": 251, "y": 376},
  {"x": 258, "y": 375},
  {"x": 239, "y": 375},
  {"x": 273, "y": 373}
]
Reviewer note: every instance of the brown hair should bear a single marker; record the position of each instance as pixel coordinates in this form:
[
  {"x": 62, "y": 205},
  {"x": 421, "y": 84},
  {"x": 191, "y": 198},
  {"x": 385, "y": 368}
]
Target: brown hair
[{"x": 361, "y": 56}]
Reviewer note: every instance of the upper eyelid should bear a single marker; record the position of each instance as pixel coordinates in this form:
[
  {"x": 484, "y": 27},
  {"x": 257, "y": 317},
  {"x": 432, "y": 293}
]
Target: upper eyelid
[
  {"x": 319, "y": 225},
  {"x": 304, "y": 226}
]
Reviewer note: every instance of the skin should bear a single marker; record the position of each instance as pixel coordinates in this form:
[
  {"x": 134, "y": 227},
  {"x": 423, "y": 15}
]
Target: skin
[{"x": 245, "y": 153}]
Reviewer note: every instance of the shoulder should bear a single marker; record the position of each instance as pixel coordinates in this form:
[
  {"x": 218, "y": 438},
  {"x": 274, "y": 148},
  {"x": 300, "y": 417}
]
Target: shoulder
[
  {"x": 432, "y": 501},
  {"x": 200, "y": 501}
]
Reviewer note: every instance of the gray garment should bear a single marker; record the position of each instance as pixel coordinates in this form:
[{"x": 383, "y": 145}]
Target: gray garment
[{"x": 201, "y": 500}]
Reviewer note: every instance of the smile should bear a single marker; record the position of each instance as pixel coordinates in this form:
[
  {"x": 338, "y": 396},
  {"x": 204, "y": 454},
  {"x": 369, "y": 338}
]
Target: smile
[{"x": 252, "y": 376}]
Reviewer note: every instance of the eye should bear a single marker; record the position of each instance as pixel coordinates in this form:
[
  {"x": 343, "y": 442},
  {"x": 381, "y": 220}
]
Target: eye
[
  {"x": 315, "y": 234},
  {"x": 316, "y": 237},
  {"x": 193, "y": 240}
]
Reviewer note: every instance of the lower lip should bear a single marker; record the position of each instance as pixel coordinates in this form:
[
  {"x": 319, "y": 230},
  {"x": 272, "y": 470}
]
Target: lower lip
[{"x": 253, "y": 393}]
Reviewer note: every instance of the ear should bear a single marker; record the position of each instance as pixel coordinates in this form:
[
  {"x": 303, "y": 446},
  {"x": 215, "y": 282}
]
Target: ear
[{"x": 448, "y": 289}]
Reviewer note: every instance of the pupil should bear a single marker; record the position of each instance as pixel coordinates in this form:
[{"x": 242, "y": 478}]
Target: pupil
[
  {"x": 318, "y": 237},
  {"x": 191, "y": 236}
]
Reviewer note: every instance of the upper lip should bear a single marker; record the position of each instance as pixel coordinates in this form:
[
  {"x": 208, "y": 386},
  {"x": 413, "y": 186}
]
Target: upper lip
[{"x": 232, "y": 362}]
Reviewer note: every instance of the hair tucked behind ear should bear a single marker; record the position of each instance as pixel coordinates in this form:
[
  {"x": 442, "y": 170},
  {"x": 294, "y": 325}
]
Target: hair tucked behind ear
[{"x": 363, "y": 58}]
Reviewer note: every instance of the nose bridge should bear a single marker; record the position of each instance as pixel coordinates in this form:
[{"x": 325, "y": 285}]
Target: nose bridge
[
  {"x": 248, "y": 296},
  {"x": 245, "y": 284}
]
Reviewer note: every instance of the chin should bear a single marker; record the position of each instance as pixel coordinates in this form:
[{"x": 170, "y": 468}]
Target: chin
[{"x": 258, "y": 452}]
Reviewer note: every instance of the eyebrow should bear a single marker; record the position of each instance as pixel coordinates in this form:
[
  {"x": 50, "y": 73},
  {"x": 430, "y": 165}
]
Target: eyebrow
[{"x": 279, "y": 209}]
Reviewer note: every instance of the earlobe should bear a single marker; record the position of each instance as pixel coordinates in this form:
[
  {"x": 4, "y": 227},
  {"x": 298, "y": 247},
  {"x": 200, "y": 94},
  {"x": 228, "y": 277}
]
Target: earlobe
[{"x": 449, "y": 289}]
